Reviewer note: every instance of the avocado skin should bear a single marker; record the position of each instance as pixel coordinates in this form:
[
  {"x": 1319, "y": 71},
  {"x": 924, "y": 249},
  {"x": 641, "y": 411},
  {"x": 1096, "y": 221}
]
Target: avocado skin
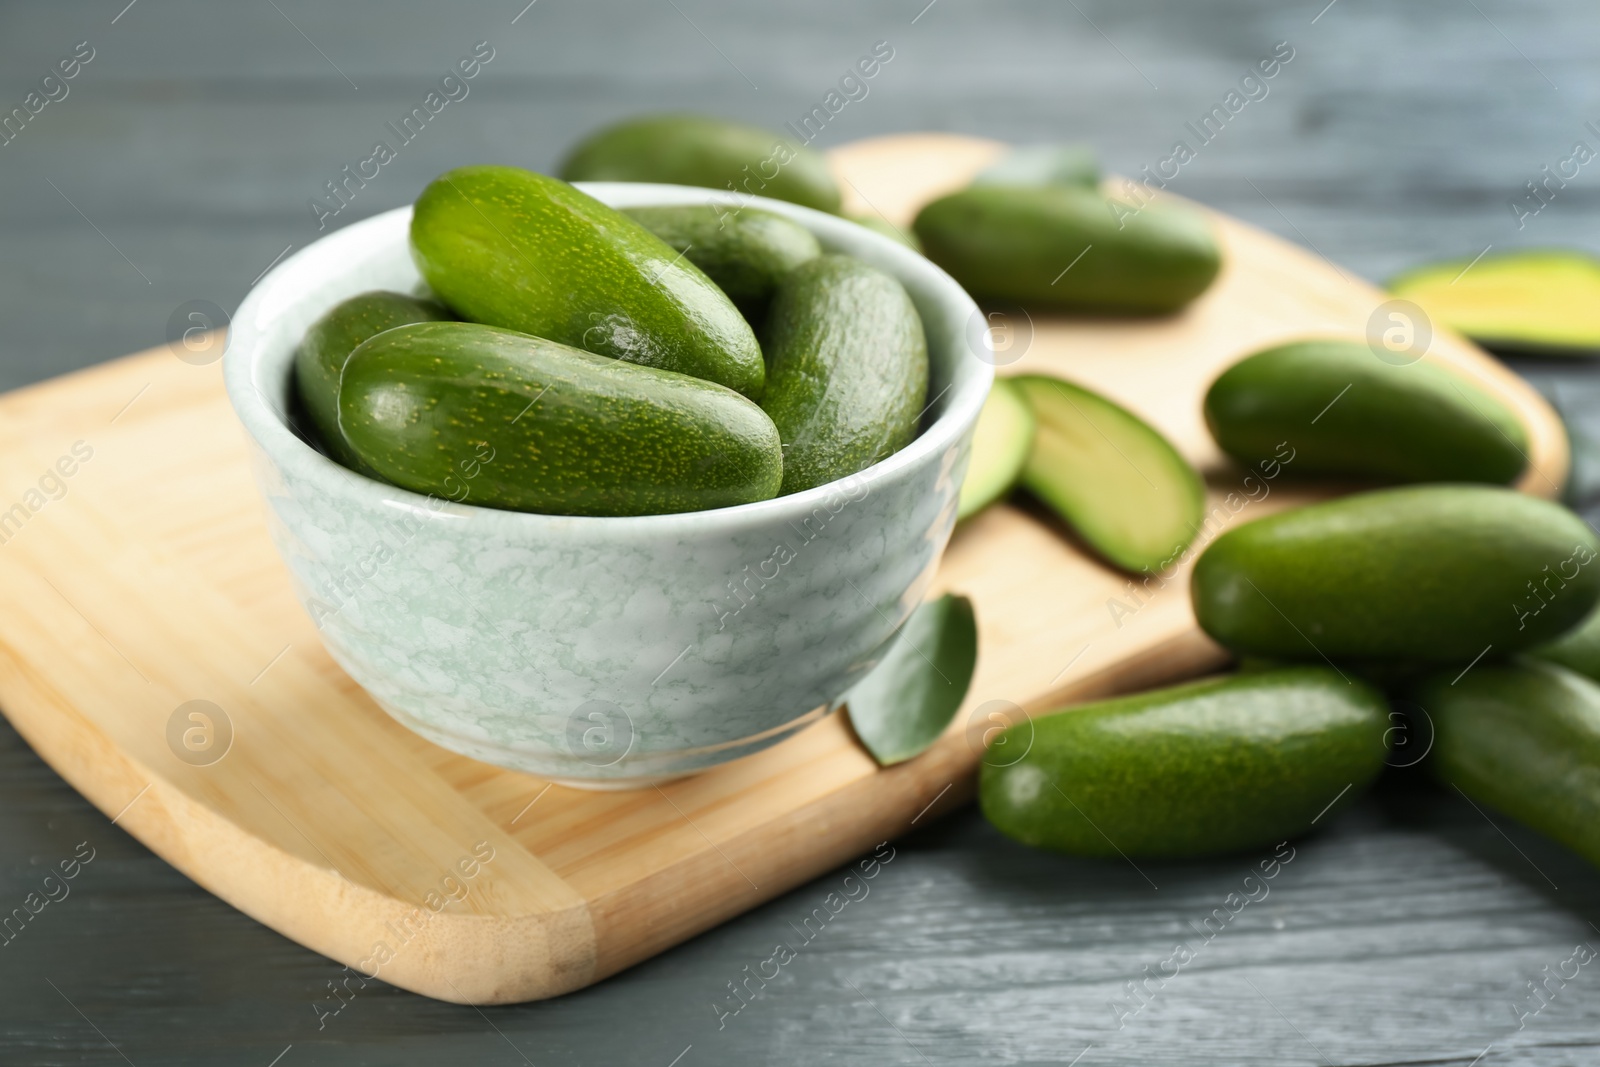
[
  {"x": 1523, "y": 738},
  {"x": 329, "y": 342},
  {"x": 1577, "y": 650},
  {"x": 683, "y": 149},
  {"x": 1436, "y": 573},
  {"x": 1210, "y": 767},
  {"x": 499, "y": 419},
  {"x": 510, "y": 248},
  {"x": 1012, "y": 243},
  {"x": 1043, "y": 164},
  {"x": 1347, "y": 413},
  {"x": 847, "y": 369},
  {"x": 747, "y": 254}
]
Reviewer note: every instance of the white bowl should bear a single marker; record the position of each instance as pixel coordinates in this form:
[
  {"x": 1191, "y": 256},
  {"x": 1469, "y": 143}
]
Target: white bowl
[{"x": 602, "y": 651}]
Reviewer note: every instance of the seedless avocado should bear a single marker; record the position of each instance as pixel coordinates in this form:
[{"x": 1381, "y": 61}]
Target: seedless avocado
[
  {"x": 329, "y": 342},
  {"x": 1577, "y": 650},
  {"x": 1347, "y": 413},
  {"x": 848, "y": 369},
  {"x": 1070, "y": 248},
  {"x": 1117, "y": 482},
  {"x": 1543, "y": 302},
  {"x": 1427, "y": 573},
  {"x": 1209, "y": 767},
  {"x": 1523, "y": 738},
  {"x": 1000, "y": 446},
  {"x": 510, "y": 248},
  {"x": 745, "y": 254},
  {"x": 491, "y": 417},
  {"x": 1043, "y": 164},
  {"x": 700, "y": 150}
]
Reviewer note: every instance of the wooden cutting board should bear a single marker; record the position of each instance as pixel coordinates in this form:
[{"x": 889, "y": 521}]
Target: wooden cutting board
[{"x": 136, "y": 578}]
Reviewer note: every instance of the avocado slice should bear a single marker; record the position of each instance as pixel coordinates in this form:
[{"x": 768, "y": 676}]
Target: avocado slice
[
  {"x": 1541, "y": 302},
  {"x": 1117, "y": 482},
  {"x": 1000, "y": 447}
]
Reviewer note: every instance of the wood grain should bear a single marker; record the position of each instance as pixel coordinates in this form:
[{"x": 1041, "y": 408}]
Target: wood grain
[{"x": 151, "y": 582}]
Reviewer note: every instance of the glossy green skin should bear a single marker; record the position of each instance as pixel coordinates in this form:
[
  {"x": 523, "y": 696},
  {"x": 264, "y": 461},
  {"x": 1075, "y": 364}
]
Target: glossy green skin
[
  {"x": 1523, "y": 738},
  {"x": 1213, "y": 766},
  {"x": 329, "y": 342},
  {"x": 1012, "y": 243},
  {"x": 499, "y": 419},
  {"x": 1347, "y": 413},
  {"x": 1043, "y": 164},
  {"x": 1578, "y": 649},
  {"x": 704, "y": 151},
  {"x": 1425, "y": 573},
  {"x": 848, "y": 369},
  {"x": 507, "y": 247},
  {"x": 747, "y": 254}
]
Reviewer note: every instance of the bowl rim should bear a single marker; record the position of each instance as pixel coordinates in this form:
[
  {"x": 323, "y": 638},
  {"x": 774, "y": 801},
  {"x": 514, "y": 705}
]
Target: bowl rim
[{"x": 970, "y": 380}]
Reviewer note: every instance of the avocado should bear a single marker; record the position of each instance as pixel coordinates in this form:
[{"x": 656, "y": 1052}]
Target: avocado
[
  {"x": 329, "y": 342},
  {"x": 1537, "y": 302},
  {"x": 1000, "y": 446},
  {"x": 1043, "y": 164},
  {"x": 1348, "y": 414},
  {"x": 510, "y": 248},
  {"x": 1523, "y": 738},
  {"x": 495, "y": 418},
  {"x": 1117, "y": 482},
  {"x": 1213, "y": 766},
  {"x": 682, "y": 149},
  {"x": 1577, "y": 650},
  {"x": 848, "y": 369},
  {"x": 1063, "y": 247},
  {"x": 747, "y": 254},
  {"x": 1436, "y": 573}
]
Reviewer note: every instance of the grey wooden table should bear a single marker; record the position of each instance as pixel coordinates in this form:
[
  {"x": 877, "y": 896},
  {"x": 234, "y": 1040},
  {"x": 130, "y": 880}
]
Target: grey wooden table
[{"x": 180, "y": 162}]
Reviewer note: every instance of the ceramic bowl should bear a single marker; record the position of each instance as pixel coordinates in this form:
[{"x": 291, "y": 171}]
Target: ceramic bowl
[{"x": 602, "y": 651}]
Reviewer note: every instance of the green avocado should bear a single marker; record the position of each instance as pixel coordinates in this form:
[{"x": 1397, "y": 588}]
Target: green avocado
[
  {"x": 1000, "y": 447},
  {"x": 1577, "y": 650},
  {"x": 510, "y": 248},
  {"x": 1065, "y": 247},
  {"x": 1213, "y": 766},
  {"x": 491, "y": 417},
  {"x": 747, "y": 254},
  {"x": 1111, "y": 476},
  {"x": 1523, "y": 738},
  {"x": 1542, "y": 302},
  {"x": 1436, "y": 573},
  {"x": 1346, "y": 413},
  {"x": 329, "y": 342},
  {"x": 1043, "y": 164},
  {"x": 848, "y": 369},
  {"x": 680, "y": 149}
]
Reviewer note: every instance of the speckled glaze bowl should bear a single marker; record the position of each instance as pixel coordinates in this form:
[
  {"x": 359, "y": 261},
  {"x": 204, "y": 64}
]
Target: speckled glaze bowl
[{"x": 607, "y": 652}]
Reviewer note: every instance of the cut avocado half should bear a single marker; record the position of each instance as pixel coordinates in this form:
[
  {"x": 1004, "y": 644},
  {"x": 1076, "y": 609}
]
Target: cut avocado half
[
  {"x": 1544, "y": 302},
  {"x": 1117, "y": 482},
  {"x": 1000, "y": 447}
]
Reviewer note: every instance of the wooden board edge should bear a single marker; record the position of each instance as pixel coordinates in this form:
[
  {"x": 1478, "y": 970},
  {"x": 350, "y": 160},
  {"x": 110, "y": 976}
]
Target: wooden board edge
[{"x": 438, "y": 954}]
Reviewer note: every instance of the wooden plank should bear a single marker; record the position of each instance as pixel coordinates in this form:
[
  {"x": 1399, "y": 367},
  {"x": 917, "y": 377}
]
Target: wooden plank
[{"x": 151, "y": 582}]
